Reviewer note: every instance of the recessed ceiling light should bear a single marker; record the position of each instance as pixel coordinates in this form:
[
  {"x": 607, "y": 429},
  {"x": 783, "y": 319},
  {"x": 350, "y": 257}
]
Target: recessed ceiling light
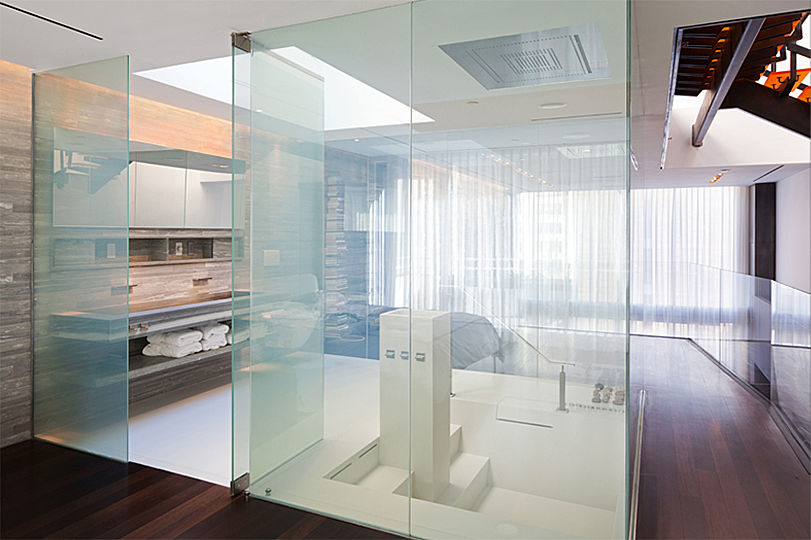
[
  {"x": 473, "y": 102},
  {"x": 258, "y": 110},
  {"x": 552, "y": 105},
  {"x": 356, "y": 140},
  {"x": 716, "y": 178},
  {"x": 576, "y": 136}
]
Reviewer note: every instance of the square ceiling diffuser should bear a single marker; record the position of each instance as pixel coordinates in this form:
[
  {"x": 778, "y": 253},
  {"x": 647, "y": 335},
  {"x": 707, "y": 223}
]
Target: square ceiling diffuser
[{"x": 570, "y": 53}]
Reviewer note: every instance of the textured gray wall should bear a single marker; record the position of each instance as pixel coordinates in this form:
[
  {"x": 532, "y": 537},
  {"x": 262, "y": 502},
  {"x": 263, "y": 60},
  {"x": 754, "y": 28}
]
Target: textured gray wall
[{"x": 15, "y": 253}]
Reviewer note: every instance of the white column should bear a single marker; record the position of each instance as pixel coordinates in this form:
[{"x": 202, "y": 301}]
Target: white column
[{"x": 429, "y": 358}]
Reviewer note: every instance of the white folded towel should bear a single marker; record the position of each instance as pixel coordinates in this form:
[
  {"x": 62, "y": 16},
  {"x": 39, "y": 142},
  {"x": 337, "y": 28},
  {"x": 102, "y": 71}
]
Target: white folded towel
[
  {"x": 180, "y": 338},
  {"x": 152, "y": 349},
  {"x": 229, "y": 338},
  {"x": 178, "y": 351},
  {"x": 214, "y": 342},
  {"x": 213, "y": 329}
]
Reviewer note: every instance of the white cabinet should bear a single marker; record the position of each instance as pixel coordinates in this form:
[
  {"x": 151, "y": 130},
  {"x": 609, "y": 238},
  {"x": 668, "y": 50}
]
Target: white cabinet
[
  {"x": 174, "y": 197},
  {"x": 208, "y": 199},
  {"x": 159, "y": 196}
]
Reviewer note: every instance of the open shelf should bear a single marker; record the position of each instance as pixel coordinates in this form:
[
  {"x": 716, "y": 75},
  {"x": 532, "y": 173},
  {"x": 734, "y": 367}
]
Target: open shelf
[
  {"x": 151, "y": 376},
  {"x": 179, "y": 261},
  {"x": 141, "y": 365},
  {"x": 165, "y": 319}
]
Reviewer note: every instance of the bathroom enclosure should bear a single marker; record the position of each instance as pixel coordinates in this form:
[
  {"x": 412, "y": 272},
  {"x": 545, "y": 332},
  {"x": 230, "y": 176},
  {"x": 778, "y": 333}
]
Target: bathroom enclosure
[{"x": 430, "y": 267}]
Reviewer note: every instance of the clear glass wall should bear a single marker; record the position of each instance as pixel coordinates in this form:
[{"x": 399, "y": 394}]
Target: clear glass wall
[
  {"x": 81, "y": 156},
  {"x": 518, "y": 226},
  {"x": 475, "y": 177}
]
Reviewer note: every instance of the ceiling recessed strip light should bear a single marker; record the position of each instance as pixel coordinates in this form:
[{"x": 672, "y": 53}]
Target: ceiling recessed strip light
[
  {"x": 552, "y": 105},
  {"x": 46, "y": 19}
]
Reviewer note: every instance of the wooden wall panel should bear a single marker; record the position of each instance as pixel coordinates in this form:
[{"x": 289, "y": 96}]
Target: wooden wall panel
[
  {"x": 151, "y": 122},
  {"x": 178, "y": 284},
  {"x": 16, "y": 227}
]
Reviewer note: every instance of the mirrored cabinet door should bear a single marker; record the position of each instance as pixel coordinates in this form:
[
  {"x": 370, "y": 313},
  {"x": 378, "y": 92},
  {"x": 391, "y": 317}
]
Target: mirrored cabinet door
[
  {"x": 208, "y": 199},
  {"x": 159, "y": 195}
]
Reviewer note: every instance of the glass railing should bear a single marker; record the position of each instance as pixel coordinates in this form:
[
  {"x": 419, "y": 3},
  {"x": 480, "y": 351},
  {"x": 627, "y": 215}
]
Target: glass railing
[{"x": 757, "y": 329}]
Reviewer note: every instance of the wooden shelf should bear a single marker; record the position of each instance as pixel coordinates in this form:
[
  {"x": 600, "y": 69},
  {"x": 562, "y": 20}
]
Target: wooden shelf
[{"x": 141, "y": 365}]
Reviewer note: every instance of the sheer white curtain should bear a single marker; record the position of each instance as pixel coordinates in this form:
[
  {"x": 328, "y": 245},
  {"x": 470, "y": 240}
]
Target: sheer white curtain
[
  {"x": 540, "y": 255},
  {"x": 683, "y": 243}
]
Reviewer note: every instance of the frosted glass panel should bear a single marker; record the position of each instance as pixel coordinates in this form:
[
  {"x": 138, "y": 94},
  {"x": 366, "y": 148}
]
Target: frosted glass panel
[
  {"x": 286, "y": 190},
  {"x": 80, "y": 256},
  {"x": 329, "y": 128}
]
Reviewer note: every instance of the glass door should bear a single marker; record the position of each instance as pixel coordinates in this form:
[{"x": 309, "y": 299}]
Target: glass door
[
  {"x": 321, "y": 402},
  {"x": 81, "y": 157}
]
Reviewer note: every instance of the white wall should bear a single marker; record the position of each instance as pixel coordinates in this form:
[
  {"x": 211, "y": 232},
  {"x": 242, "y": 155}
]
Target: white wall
[
  {"x": 734, "y": 139},
  {"x": 793, "y": 231}
]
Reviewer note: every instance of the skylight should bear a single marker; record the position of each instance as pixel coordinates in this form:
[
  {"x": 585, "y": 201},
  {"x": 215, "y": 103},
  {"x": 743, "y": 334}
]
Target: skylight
[{"x": 348, "y": 102}]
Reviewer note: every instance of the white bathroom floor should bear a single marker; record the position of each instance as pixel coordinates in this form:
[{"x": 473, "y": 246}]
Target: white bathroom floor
[{"x": 190, "y": 436}]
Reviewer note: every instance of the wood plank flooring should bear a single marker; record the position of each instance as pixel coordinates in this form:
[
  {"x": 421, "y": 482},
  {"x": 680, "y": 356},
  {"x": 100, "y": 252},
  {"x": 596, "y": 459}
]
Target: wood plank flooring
[
  {"x": 714, "y": 463},
  {"x": 47, "y": 491}
]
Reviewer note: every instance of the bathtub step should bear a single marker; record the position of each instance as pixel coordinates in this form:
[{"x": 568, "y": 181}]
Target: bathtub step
[
  {"x": 569, "y": 518},
  {"x": 468, "y": 479},
  {"x": 384, "y": 478},
  {"x": 456, "y": 438}
]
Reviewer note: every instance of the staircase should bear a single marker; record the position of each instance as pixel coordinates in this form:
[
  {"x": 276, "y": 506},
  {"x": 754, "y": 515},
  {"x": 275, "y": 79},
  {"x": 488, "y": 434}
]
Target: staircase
[
  {"x": 469, "y": 475},
  {"x": 730, "y": 61}
]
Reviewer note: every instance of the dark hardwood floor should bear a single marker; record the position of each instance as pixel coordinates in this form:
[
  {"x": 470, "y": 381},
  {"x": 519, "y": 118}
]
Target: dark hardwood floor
[
  {"x": 47, "y": 491},
  {"x": 714, "y": 463}
]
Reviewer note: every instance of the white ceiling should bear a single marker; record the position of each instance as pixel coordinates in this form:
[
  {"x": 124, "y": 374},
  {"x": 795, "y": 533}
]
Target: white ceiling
[
  {"x": 158, "y": 33},
  {"x": 154, "y": 33}
]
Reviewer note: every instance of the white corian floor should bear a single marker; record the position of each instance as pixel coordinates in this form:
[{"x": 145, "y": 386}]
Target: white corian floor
[{"x": 190, "y": 436}]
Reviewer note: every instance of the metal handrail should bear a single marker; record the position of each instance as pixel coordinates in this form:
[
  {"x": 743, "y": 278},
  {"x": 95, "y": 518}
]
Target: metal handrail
[{"x": 633, "y": 511}]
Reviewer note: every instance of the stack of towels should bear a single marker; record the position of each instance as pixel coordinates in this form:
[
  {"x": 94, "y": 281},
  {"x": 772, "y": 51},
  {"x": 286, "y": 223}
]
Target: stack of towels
[
  {"x": 184, "y": 342},
  {"x": 214, "y": 336}
]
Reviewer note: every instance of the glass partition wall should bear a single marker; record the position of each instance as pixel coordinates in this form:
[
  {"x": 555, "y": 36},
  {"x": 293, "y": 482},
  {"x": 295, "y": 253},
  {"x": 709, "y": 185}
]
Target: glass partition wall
[
  {"x": 81, "y": 154},
  {"x": 431, "y": 310}
]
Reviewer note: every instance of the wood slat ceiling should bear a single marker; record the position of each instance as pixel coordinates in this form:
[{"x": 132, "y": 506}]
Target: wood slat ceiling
[{"x": 706, "y": 51}]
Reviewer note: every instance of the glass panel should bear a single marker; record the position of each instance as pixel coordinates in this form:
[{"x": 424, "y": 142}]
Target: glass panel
[
  {"x": 80, "y": 256},
  {"x": 327, "y": 193},
  {"x": 241, "y": 265},
  {"x": 518, "y": 269},
  {"x": 791, "y": 358}
]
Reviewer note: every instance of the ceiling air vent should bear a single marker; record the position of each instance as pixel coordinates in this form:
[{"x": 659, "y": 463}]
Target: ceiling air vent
[{"x": 571, "y": 53}]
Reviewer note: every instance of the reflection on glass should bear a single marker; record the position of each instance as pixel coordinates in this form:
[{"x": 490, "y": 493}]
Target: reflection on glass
[{"x": 80, "y": 256}]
